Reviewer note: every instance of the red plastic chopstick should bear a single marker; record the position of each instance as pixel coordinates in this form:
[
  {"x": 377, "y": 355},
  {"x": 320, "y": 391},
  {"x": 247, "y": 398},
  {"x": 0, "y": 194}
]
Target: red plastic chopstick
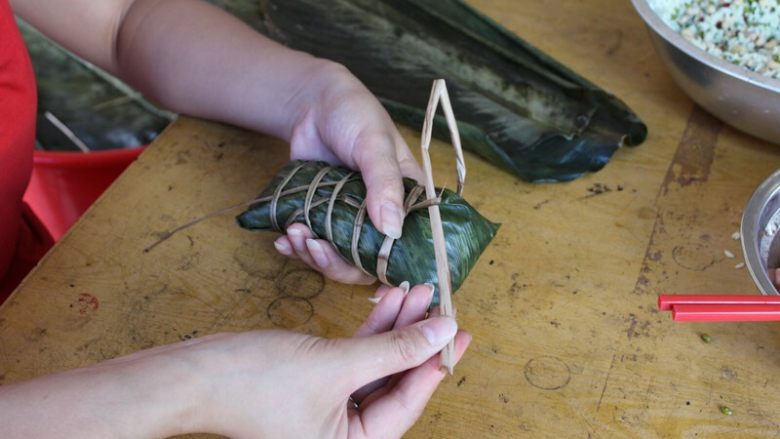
[
  {"x": 668, "y": 301},
  {"x": 725, "y": 313},
  {"x": 720, "y": 308}
]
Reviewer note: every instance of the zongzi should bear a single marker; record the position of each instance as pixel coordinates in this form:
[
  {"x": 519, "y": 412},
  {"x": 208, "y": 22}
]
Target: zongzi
[{"x": 331, "y": 201}]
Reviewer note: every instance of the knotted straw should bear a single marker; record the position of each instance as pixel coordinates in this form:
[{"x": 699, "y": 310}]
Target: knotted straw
[{"x": 412, "y": 202}]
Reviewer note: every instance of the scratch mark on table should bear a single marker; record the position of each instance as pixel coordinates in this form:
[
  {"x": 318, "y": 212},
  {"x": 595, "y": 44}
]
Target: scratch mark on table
[
  {"x": 632, "y": 326},
  {"x": 289, "y": 312},
  {"x": 695, "y": 152},
  {"x": 642, "y": 281},
  {"x": 301, "y": 282},
  {"x": 36, "y": 335},
  {"x": 539, "y": 205},
  {"x": 606, "y": 382},
  {"x": 691, "y": 164},
  {"x": 547, "y": 373},
  {"x": 650, "y": 388},
  {"x": 612, "y": 49},
  {"x": 678, "y": 253}
]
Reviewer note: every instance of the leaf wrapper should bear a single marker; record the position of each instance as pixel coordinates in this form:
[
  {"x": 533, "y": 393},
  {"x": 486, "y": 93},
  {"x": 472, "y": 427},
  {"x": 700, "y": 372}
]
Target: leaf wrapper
[
  {"x": 518, "y": 108},
  {"x": 411, "y": 258}
]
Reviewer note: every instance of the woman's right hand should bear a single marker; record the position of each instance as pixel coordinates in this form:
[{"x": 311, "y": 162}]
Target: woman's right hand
[
  {"x": 287, "y": 385},
  {"x": 256, "y": 384}
]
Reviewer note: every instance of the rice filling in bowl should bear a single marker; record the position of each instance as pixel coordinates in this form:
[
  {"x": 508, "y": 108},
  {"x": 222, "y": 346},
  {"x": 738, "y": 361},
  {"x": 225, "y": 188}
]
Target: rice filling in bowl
[{"x": 743, "y": 32}]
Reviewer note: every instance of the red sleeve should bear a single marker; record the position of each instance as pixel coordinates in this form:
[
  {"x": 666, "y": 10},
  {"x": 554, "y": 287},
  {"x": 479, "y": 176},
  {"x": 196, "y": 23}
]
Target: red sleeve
[{"x": 17, "y": 131}]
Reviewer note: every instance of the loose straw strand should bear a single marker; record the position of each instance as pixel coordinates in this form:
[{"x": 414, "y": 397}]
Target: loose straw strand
[
  {"x": 452, "y": 124},
  {"x": 439, "y": 93}
]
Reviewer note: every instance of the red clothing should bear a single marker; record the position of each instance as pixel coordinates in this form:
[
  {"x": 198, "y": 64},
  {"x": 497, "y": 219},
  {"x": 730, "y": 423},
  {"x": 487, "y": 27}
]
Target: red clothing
[{"x": 17, "y": 138}]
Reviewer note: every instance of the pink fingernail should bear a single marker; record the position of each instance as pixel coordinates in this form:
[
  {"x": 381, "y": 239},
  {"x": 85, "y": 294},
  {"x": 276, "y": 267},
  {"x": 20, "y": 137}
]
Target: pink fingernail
[
  {"x": 283, "y": 247},
  {"x": 392, "y": 220},
  {"x": 378, "y": 296},
  {"x": 431, "y": 289},
  {"x": 296, "y": 239},
  {"x": 317, "y": 253},
  {"x": 439, "y": 330}
]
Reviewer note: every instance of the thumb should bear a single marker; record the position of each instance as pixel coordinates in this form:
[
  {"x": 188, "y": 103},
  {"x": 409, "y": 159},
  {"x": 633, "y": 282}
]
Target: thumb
[{"x": 381, "y": 355}]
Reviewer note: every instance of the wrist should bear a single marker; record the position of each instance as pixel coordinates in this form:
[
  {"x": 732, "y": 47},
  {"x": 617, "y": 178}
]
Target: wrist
[
  {"x": 322, "y": 82},
  {"x": 151, "y": 396}
]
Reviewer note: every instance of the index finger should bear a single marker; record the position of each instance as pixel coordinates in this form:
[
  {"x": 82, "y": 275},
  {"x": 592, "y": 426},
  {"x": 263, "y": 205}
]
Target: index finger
[
  {"x": 393, "y": 413},
  {"x": 375, "y": 156}
]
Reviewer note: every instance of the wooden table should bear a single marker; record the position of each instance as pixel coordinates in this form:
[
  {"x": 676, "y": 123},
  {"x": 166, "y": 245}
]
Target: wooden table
[{"x": 567, "y": 339}]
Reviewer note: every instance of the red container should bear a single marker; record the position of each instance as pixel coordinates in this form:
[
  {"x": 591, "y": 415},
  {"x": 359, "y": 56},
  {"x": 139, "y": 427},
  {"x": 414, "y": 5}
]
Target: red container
[{"x": 65, "y": 184}]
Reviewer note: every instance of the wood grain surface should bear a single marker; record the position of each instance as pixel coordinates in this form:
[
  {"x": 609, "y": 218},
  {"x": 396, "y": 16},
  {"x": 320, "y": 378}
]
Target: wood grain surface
[{"x": 567, "y": 339}]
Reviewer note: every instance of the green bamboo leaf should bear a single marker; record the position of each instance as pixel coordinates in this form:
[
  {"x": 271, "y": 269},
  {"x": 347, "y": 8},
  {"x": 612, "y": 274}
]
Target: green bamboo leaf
[{"x": 517, "y": 107}]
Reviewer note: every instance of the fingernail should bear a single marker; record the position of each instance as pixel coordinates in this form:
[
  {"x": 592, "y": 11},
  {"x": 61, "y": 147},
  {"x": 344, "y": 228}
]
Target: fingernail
[
  {"x": 404, "y": 286},
  {"x": 283, "y": 247},
  {"x": 379, "y": 294},
  {"x": 296, "y": 239},
  {"x": 317, "y": 253},
  {"x": 374, "y": 300},
  {"x": 439, "y": 330},
  {"x": 392, "y": 220},
  {"x": 431, "y": 289}
]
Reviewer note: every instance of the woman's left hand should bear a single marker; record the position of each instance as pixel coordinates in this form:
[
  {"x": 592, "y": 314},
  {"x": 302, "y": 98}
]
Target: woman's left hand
[{"x": 339, "y": 121}]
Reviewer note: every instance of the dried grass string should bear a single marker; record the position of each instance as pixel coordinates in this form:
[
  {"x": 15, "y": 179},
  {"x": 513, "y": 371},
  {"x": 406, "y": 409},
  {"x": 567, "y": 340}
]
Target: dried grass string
[
  {"x": 413, "y": 201},
  {"x": 439, "y": 94}
]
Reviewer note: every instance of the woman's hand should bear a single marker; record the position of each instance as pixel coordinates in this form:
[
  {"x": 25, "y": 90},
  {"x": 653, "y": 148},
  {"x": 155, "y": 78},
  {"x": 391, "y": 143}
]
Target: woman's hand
[
  {"x": 339, "y": 121},
  {"x": 251, "y": 385},
  {"x": 285, "y": 385}
]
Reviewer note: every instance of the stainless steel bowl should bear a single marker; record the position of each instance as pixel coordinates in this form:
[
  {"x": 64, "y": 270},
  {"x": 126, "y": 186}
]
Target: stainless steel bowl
[
  {"x": 746, "y": 100},
  {"x": 760, "y": 230}
]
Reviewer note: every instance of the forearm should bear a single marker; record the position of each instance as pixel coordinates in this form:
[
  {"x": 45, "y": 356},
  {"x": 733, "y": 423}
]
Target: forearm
[
  {"x": 197, "y": 59},
  {"x": 132, "y": 398},
  {"x": 186, "y": 54}
]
